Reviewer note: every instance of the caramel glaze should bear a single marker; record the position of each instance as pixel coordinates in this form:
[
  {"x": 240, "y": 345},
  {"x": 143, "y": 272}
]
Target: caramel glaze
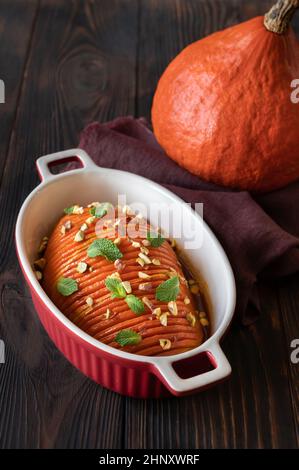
[{"x": 63, "y": 255}]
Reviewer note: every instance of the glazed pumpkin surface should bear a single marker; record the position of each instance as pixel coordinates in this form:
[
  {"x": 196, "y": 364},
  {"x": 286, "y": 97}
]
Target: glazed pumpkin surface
[
  {"x": 223, "y": 108},
  {"x": 158, "y": 327}
]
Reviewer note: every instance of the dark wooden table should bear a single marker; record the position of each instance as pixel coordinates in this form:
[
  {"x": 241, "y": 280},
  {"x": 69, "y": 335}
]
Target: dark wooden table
[{"x": 66, "y": 63}]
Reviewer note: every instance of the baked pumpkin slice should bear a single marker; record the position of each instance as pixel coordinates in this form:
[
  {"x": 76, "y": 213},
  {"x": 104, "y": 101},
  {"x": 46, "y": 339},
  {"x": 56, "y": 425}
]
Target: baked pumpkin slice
[{"x": 127, "y": 292}]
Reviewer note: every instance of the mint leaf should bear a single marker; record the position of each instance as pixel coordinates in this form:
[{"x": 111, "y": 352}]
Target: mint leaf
[
  {"x": 168, "y": 290},
  {"x": 66, "y": 286},
  {"x": 116, "y": 287},
  {"x": 104, "y": 247},
  {"x": 155, "y": 239},
  {"x": 126, "y": 337},
  {"x": 135, "y": 304},
  {"x": 101, "y": 209},
  {"x": 69, "y": 210}
]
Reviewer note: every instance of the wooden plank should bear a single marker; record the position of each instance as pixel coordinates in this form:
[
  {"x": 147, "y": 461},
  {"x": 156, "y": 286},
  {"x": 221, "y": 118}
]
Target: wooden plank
[
  {"x": 288, "y": 295},
  {"x": 254, "y": 408},
  {"x": 87, "y": 72},
  {"x": 16, "y": 25},
  {"x": 81, "y": 67}
]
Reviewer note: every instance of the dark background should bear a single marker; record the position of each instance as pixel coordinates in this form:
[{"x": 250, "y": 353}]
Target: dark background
[{"x": 66, "y": 63}]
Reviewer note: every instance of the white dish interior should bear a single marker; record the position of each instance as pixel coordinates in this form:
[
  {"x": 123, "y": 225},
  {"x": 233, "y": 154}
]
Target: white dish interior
[{"x": 46, "y": 207}]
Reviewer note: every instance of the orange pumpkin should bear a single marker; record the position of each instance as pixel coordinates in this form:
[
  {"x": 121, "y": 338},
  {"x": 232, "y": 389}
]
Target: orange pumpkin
[{"x": 223, "y": 107}]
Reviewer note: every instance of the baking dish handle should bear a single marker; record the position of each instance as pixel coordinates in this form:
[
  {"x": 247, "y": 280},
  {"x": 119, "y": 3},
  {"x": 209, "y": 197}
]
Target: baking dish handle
[
  {"x": 179, "y": 386},
  {"x": 44, "y": 162}
]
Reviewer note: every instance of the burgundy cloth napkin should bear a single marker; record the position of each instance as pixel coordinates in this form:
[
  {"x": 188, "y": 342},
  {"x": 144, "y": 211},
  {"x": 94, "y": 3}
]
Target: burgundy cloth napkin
[{"x": 260, "y": 234}]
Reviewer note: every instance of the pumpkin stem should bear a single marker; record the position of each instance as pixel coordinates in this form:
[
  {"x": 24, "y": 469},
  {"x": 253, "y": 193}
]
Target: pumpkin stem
[{"x": 277, "y": 20}]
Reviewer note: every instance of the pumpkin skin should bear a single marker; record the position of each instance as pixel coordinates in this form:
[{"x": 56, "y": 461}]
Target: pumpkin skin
[
  {"x": 222, "y": 108},
  {"x": 62, "y": 257}
]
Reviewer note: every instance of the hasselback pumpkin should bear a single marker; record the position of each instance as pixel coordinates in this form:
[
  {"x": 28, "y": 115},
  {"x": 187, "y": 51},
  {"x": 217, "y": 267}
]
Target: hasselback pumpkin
[
  {"x": 128, "y": 293},
  {"x": 223, "y": 108}
]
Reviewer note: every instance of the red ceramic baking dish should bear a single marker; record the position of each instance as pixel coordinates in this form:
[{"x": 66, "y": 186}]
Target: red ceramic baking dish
[{"x": 123, "y": 372}]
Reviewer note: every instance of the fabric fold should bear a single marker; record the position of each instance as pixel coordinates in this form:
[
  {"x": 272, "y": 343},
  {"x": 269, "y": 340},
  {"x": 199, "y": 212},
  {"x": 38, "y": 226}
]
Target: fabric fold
[{"x": 260, "y": 233}]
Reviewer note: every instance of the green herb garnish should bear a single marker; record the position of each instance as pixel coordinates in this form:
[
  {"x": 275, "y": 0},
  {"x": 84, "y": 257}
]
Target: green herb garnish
[
  {"x": 168, "y": 290},
  {"x": 101, "y": 209},
  {"x": 155, "y": 239},
  {"x": 115, "y": 286},
  {"x": 104, "y": 247},
  {"x": 66, "y": 286},
  {"x": 126, "y": 337},
  {"x": 135, "y": 304},
  {"x": 69, "y": 210}
]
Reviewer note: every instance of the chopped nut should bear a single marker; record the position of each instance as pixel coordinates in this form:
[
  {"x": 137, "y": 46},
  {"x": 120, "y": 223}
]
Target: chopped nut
[
  {"x": 38, "y": 275},
  {"x": 191, "y": 282},
  {"x": 127, "y": 210},
  {"x": 187, "y": 301},
  {"x": 140, "y": 261},
  {"x": 115, "y": 276},
  {"x": 127, "y": 286},
  {"x": 62, "y": 230},
  {"x": 148, "y": 303},
  {"x": 157, "y": 312},
  {"x": 90, "y": 220},
  {"x": 202, "y": 314},
  {"x": 145, "y": 286},
  {"x": 172, "y": 273},
  {"x": 146, "y": 242},
  {"x": 156, "y": 261},
  {"x": 144, "y": 250},
  {"x": 165, "y": 344},
  {"x": 43, "y": 245},
  {"x": 145, "y": 258},
  {"x": 68, "y": 225},
  {"x": 173, "y": 308},
  {"x": 90, "y": 269},
  {"x": 39, "y": 264},
  {"x": 119, "y": 265},
  {"x": 79, "y": 237},
  {"x": 143, "y": 275},
  {"x": 135, "y": 244},
  {"x": 204, "y": 322},
  {"x": 78, "y": 210},
  {"x": 183, "y": 280},
  {"x": 163, "y": 318},
  {"x": 191, "y": 318},
  {"x": 108, "y": 313},
  {"x": 194, "y": 289},
  {"x": 173, "y": 243},
  {"x": 82, "y": 267},
  {"x": 117, "y": 241},
  {"x": 89, "y": 301},
  {"x": 84, "y": 227}
]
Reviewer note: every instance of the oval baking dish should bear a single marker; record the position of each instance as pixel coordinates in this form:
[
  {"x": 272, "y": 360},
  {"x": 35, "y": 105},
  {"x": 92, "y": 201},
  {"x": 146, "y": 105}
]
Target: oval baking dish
[{"x": 123, "y": 372}]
